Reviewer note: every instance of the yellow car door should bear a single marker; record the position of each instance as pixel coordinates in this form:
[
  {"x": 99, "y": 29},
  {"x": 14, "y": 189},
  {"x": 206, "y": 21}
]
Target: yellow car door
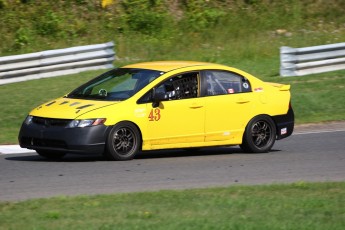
[
  {"x": 228, "y": 103},
  {"x": 178, "y": 118}
]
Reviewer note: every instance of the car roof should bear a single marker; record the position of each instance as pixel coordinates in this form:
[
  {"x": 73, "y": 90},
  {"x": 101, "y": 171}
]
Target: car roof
[{"x": 167, "y": 66}]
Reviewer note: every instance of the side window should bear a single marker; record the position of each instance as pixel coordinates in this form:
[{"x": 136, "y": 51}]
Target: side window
[
  {"x": 181, "y": 86},
  {"x": 222, "y": 82}
]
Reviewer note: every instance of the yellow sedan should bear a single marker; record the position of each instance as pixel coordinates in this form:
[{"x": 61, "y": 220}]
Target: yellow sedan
[{"x": 161, "y": 105}]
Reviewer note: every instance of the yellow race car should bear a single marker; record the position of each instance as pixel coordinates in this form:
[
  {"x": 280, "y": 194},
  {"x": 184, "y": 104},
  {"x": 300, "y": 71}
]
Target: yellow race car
[{"x": 161, "y": 105}]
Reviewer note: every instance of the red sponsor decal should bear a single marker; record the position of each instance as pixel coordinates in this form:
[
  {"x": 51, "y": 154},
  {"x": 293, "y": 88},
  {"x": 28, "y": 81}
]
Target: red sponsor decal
[{"x": 231, "y": 91}]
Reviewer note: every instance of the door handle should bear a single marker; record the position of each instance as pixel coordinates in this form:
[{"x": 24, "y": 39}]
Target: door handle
[
  {"x": 196, "y": 105},
  {"x": 242, "y": 100}
]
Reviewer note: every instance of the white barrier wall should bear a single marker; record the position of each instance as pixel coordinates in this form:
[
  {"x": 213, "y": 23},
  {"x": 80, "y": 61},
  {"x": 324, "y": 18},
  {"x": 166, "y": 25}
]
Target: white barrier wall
[
  {"x": 58, "y": 62},
  {"x": 311, "y": 60}
]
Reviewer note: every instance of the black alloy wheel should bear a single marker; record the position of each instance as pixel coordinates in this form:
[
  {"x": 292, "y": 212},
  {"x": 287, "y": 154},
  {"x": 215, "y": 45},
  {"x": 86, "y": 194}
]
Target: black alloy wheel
[
  {"x": 123, "y": 142},
  {"x": 260, "y": 135}
]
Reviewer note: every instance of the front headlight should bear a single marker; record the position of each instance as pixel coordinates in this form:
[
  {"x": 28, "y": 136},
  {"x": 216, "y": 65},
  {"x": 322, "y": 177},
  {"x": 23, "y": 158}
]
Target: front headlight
[
  {"x": 86, "y": 123},
  {"x": 28, "y": 120}
]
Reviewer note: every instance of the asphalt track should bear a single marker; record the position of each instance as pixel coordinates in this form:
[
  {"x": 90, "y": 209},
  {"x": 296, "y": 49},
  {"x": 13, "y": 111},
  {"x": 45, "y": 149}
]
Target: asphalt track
[{"x": 313, "y": 153}]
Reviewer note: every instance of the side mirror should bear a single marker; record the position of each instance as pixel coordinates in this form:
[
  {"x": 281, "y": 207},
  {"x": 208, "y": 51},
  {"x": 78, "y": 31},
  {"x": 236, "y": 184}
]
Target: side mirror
[{"x": 157, "y": 97}]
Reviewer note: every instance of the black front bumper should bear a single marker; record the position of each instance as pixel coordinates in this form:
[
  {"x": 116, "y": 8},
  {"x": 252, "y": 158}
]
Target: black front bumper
[{"x": 86, "y": 140}]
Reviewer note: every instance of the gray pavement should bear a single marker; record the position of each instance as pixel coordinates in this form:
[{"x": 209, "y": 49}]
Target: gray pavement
[{"x": 313, "y": 153}]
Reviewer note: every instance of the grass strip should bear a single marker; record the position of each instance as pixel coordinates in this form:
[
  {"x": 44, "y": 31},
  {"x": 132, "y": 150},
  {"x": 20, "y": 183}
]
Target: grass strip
[{"x": 295, "y": 206}]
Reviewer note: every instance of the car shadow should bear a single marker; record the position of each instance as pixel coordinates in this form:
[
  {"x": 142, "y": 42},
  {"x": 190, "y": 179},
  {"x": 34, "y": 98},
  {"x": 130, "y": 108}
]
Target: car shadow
[
  {"x": 209, "y": 151},
  {"x": 187, "y": 152},
  {"x": 173, "y": 153},
  {"x": 67, "y": 158}
]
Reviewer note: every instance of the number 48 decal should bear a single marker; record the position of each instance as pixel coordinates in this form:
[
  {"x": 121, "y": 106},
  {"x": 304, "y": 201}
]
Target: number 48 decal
[{"x": 155, "y": 115}]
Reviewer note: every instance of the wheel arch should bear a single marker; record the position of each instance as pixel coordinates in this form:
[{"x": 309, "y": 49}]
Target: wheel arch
[
  {"x": 257, "y": 115},
  {"x": 280, "y": 122},
  {"x": 248, "y": 143},
  {"x": 133, "y": 123}
]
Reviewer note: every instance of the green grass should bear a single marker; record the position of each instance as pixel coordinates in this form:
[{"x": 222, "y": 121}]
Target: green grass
[
  {"x": 317, "y": 99},
  {"x": 20, "y": 98},
  {"x": 297, "y": 206}
]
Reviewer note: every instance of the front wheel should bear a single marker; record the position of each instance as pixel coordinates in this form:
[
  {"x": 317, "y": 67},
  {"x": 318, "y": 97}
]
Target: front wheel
[
  {"x": 260, "y": 135},
  {"x": 123, "y": 142}
]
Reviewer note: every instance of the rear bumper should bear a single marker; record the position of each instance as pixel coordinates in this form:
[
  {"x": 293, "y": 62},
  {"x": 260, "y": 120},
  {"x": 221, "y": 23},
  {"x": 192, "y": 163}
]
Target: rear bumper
[
  {"x": 86, "y": 140},
  {"x": 285, "y": 124}
]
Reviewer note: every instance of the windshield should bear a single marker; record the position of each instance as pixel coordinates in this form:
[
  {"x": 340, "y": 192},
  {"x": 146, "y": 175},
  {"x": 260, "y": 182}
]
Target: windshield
[{"x": 115, "y": 85}]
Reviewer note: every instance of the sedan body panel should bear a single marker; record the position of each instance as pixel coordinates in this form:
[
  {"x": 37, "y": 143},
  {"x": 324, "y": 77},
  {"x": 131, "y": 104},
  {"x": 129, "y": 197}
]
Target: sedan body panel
[{"x": 167, "y": 104}]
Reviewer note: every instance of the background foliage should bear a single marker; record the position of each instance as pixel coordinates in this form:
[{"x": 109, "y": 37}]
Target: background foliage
[{"x": 208, "y": 30}]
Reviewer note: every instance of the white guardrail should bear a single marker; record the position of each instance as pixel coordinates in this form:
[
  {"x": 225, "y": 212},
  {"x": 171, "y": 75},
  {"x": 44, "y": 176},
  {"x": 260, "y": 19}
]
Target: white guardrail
[
  {"x": 58, "y": 62},
  {"x": 311, "y": 60}
]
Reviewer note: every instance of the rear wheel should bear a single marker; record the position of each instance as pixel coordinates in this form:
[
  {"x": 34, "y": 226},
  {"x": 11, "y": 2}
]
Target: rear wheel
[
  {"x": 123, "y": 142},
  {"x": 50, "y": 154},
  {"x": 260, "y": 135}
]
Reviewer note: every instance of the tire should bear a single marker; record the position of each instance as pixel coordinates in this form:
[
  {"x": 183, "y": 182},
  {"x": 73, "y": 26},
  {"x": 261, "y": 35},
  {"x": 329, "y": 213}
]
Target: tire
[
  {"x": 123, "y": 142},
  {"x": 260, "y": 135},
  {"x": 51, "y": 155}
]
